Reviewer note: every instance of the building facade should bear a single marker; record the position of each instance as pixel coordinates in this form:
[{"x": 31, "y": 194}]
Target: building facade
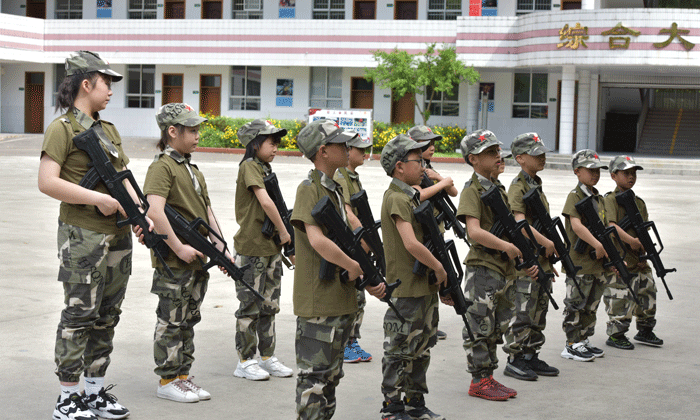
[{"x": 610, "y": 75}]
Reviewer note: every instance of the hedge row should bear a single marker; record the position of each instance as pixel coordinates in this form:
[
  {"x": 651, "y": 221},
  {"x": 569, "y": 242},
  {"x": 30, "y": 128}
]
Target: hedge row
[{"x": 220, "y": 131}]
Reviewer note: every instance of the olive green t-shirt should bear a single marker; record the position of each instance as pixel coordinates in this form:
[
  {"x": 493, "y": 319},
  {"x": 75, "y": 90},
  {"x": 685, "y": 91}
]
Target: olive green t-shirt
[
  {"x": 615, "y": 213},
  {"x": 588, "y": 265},
  {"x": 518, "y": 188},
  {"x": 470, "y": 204},
  {"x": 400, "y": 199},
  {"x": 313, "y": 297},
  {"x": 350, "y": 182},
  {"x": 58, "y": 145},
  {"x": 169, "y": 177},
  {"x": 249, "y": 240}
]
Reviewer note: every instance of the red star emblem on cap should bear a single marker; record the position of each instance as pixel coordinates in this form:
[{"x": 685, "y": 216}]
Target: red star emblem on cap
[
  {"x": 189, "y": 108},
  {"x": 595, "y": 155},
  {"x": 628, "y": 158},
  {"x": 535, "y": 138},
  {"x": 429, "y": 130},
  {"x": 482, "y": 138},
  {"x": 336, "y": 124}
]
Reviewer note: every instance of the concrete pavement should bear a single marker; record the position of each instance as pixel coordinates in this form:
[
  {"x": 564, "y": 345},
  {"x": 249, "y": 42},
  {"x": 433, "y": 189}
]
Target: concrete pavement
[{"x": 644, "y": 383}]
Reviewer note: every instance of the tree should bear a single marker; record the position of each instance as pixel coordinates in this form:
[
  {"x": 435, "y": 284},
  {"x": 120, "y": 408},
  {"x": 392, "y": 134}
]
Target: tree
[{"x": 403, "y": 73}]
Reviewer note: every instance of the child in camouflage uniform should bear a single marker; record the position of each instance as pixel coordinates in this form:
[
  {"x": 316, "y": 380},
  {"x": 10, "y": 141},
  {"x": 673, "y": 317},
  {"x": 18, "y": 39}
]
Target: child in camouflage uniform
[
  {"x": 325, "y": 309},
  {"x": 580, "y": 311},
  {"x": 349, "y": 180},
  {"x": 618, "y": 300},
  {"x": 407, "y": 345},
  {"x": 486, "y": 273},
  {"x": 254, "y": 319},
  {"x": 95, "y": 254},
  {"x": 525, "y": 334},
  {"x": 174, "y": 178}
]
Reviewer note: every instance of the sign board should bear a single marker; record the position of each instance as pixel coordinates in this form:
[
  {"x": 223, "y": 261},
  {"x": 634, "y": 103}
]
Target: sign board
[{"x": 357, "y": 120}]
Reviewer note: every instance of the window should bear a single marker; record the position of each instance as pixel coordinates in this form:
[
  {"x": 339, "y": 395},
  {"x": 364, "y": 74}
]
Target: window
[
  {"x": 69, "y": 9},
  {"x": 329, "y": 9},
  {"x": 245, "y": 88},
  {"x": 530, "y": 95},
  {"x": 444, "y": 9},
  {"x": 59, "y": 73},
  {"x": 140, "y": 92},
  {"x": 247, "y": 9},
  {"x": 142, "y": 9},
  {"x": 529, "y": 6},
  {"x": 443, "y": 104},
  {"x": 326, "y": 87}
]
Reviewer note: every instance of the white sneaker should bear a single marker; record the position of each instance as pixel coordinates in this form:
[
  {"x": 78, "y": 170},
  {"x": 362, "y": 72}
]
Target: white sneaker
[
  {"x": 72, "y": 408},
  {"x": 176, "y": 391},
  {"x": 251, "y": 370},
  {"x": 105, "y": 405},
  {"x": 275, "y": 368},
  {"x": 201, "y": 393}
]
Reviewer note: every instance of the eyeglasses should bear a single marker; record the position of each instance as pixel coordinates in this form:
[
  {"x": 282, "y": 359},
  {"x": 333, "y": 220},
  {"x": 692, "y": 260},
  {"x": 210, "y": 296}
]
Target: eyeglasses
[{"x": 420, "y": 161}]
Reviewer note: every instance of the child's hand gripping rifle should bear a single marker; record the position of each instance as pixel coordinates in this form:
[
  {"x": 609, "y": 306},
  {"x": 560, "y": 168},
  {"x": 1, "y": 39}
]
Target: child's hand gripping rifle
[
  {"x": 513, "y": 231},
  {"x": 190, "y": 233},
  {"x": 268, "y": 228},
  {"x": 634, "y": 220},
  {"x": 102, "y": 170},
  {"x": 553, "y": 229},
  {"x": 370, "y": 229},
  {"x": 447, "y": 212},
  {"x": 349, "y": 242},
  {"x": 605, "y": 235},
  {"x": 446, "y": 253}
]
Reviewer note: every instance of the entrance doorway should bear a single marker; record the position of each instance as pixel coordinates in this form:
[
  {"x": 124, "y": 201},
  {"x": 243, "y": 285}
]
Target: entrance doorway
[
  {"x": 36, "y": 9},
  {"x": 574, "y": 145},
  {"x": 211, "y": 9},
  {"x": 402, "y": 110},
  {"x": 34, "y": 102},
  {"x": 405, "y": 10},
  {"x": 172, "y": 88},
  {"x": 364, "y": 9},
  {"x": 174, "y": 9},
  {"x": 210, "y": 94},
  {"x": 361, "y": 93}
]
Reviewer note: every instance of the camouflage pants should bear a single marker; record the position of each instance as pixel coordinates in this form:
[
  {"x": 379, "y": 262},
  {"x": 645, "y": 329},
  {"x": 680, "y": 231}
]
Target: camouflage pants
[
  {"x": 319, "y": 344},
  {"x": 255, "y": 320},
  {"x": 488, "y": 317},
  {"x": 580, "y": 311},
  {"x": 94, "y": 269},
  {"x": 620, "y": 306},
  {"x": 359, "y": 315},
  {"x": 525, "y": 333},
  {"x": 179, "y": 304},
  {"x": 407, "y": 346}
]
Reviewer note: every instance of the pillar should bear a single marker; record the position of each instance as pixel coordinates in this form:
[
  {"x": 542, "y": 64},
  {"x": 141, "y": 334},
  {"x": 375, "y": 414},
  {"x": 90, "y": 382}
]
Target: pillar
[
  {"x": 566, "y": 117},
  {"x": 584, "y": 104}
]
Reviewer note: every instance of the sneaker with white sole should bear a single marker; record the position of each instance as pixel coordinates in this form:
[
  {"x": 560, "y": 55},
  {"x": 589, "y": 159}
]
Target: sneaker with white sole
[
  {"x": 275, "y": 368},
  {"x": 176, "y": 391},
  {"x": 597, "y": 352},
  {"x": 578, "y": 352},
  {"x": 201, "y": 393},
  {"x": 250, "y": 369},
  {"x": 105, "y": 405},
  {"x": 72, "y": 408}
]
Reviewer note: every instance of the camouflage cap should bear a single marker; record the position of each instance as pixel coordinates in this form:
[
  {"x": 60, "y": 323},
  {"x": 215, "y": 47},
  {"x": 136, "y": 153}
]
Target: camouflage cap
[
  {"x": 86, "y": 61},
  {"x": 505, "y": 154},
  {"x": 477, "y": 142},
  {"x": 587, "y": 158},
  {"x": 259, "y": 127},
  {"x": 319, "y": 133},
  {"x": 623, "y": 162},
  {"x": 359, "y": 142},
  {"x": 528, "y": 144},
  {"x": 423, "y": 133},
  {"x": 397, "y": 149},
  {"x": 183, "y": 114}
]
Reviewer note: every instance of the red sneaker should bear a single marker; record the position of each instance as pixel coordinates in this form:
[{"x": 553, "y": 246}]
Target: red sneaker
[
  {"x": 487, "y": 389},
  {"x": 510, "y": 391}
]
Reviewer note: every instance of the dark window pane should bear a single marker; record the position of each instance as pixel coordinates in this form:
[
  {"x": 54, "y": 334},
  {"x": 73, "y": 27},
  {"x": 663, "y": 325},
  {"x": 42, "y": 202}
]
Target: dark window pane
[
  {"x": 539, "y": 111},
  {"x": 539, "y": 88},
  {"x": 521, "y": 88},
  {"x": 450, "y": 109},
  {"x": 521, "y": 111}
]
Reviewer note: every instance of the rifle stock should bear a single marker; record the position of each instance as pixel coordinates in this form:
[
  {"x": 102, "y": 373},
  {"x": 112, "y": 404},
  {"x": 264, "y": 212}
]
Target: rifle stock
[
  {"x": 268, "y": 228},
  {"x": 370, "y": 229},
  {"x": 447, "y": 212},
  {"x": 103, "y": 171}
]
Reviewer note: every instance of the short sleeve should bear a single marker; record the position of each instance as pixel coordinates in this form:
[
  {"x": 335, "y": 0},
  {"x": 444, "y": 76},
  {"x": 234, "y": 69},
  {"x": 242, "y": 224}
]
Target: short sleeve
[
  {"x": 158, "y": 181},
  {"x": 515, "y": 198},
  {"x": 56, "y": 144},
  {"x": 305, "y": 201},
  {"x": 251, "y": 174},
  {"x": 570, "y": 206},
  {"x": 399, "y": 207},
  {"x": 469, "y": 204},
  {"x": 610, "y": 207}
]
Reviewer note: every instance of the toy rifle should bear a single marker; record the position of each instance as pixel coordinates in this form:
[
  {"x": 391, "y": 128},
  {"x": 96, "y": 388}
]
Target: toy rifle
[
  {"x": 634, "y": 219},
  {"x": 268, "y": 228},
  {"x": 102, "y": 170},
  {"x": 190, "y": 233},
  {"x": 349, "y": 242},
  {"x": 553, "y": 229},
  {"x": 513, "y": 231},
  {"x": 605, "y": 235},
  {"x": 446, "y": 253},
  {"x": 370, "y": 229},
  {"x": 447, "y": 212}
]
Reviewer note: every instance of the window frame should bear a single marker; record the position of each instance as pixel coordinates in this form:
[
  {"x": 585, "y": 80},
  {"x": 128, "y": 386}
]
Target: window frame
[
  {"x": 69, "y": 11},
  {"x": 443, "y": 12},
  {"x": 318, "y": 11},
  {"x": 534, "y": 7},
  {"x": 142, "y": 10},
  {"x": 140, "y": 95},
  {"x": 543, "y": 106},
  {"x": 442, "y": 100},
  {"x": 246, "y": 12},
  {"x": 246, "y": 99},
  {"x": 328, "y": 101}
]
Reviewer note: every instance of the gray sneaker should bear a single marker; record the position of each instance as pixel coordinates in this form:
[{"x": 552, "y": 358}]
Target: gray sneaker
[{"x": 578, "y": 352}]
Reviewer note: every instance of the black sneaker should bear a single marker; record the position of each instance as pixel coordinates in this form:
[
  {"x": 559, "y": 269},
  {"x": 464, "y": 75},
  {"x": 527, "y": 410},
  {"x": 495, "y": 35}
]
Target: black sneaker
[
  {"x": 105, "y": 405},
  {"x": 416, "y": 409},
  {"x": 619, "y": 341},
  {"x": 72, "y": 408},
  {"x": 647, "y": 336},
  {"x": 441, "y": 335},
  {"x": 578, "y": 352},
  {"x": 541, "y": 367},
  {"x": 394, "y": 410},
  {"x": 597, "y": 352},
  {"x": 519, "y": 369}
]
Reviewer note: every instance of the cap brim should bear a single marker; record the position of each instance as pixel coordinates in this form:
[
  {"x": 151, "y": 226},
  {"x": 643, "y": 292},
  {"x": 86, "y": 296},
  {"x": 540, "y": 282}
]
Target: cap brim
[
  {"x": 485, "y": 146},
  {"x": 505, "y": 154},
  {"x": 538, "y": 150},
  {"x": 422, "y": 145},
  {"x": 428, "y": 137},
  {"x": 340, "y": 136},
  {"x": 109, "y": 72},
  {"x": 594, "y": 166}
]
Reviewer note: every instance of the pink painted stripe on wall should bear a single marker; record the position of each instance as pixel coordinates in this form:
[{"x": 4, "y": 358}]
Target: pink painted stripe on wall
[
  {"x": 250, "y": 38},
  {"x": 20, "y": 46},
  {"x": 20, "y": 34},
  {"x": 218, "y": 50}
]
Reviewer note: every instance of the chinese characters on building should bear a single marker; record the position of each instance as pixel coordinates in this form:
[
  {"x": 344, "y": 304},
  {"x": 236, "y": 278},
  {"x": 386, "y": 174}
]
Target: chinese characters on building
[{"x": 619, "y": 37}]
